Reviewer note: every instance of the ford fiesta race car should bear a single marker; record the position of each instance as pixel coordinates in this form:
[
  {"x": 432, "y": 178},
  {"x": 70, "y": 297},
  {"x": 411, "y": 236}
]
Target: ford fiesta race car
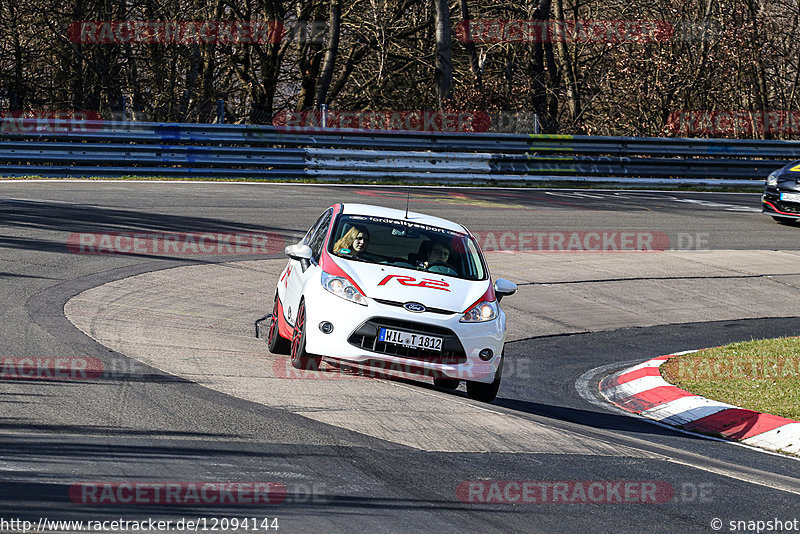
[
  {"x": 394, "y": 290},
  {"x": 781, "y": 197}
]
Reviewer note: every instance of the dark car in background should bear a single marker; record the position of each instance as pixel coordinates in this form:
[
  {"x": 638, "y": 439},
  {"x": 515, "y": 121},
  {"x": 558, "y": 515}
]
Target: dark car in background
[{"x": 781, "y": 198}]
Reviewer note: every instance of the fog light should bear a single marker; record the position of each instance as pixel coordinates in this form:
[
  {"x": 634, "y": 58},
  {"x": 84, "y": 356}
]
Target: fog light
[
  {"x": 486, "y": 354},
  {"x": 326, "y": 327}
]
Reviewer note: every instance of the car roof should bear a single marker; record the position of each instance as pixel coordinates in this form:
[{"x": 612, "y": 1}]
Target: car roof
[{"x": 391, "y": 213}]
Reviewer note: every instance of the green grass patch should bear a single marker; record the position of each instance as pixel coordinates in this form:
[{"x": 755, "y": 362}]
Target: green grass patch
[{"x": 761, "y": 375}]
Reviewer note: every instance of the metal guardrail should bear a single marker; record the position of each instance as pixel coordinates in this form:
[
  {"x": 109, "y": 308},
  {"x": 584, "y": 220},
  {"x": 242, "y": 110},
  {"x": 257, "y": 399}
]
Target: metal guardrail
[{"x": 87, "y": 148}]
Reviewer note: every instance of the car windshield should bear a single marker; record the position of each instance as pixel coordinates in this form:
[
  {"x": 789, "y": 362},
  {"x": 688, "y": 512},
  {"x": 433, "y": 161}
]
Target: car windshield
[{"x": 407, "y": 244}]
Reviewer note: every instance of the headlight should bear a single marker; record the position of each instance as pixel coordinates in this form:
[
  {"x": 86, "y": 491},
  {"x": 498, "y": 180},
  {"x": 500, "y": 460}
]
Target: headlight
[
  {"x": 341, "y": 287},
  {"x": 772, "y": 179},
  {"x": 481, "y": 312}
]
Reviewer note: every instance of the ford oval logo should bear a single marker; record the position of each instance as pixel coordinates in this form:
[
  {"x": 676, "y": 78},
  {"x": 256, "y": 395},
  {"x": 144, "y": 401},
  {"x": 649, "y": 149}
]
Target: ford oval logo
[{"x": 415, "y": 307}]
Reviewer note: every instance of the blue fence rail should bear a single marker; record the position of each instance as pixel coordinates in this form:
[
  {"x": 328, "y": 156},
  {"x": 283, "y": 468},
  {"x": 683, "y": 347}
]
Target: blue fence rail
[{"x": 43, "y": 148}]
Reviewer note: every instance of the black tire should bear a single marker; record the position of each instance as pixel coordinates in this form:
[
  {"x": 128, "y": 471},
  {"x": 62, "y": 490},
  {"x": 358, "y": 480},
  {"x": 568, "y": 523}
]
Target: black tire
[
  {"x": 483, "y": 392},
  {"x": 446, "y": 383},
  {"x": 299, "y": 357},
  {"x": 789, "y": 221},
  {"x": 275, "y": 342}
]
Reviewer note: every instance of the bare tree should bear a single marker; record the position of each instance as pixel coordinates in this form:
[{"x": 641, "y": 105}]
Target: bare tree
[
  {"x": 331, "y": 52},
  {"x": 444, "y": 51},
  {"x": 380, "y": 54},
  {"x": 566, "y": 64},
  {"x": 469, "y": 44}
]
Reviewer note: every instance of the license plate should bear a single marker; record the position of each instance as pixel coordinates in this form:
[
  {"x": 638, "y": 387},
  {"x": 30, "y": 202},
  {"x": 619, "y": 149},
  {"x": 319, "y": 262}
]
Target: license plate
[
  {"x": 407, "y": 339},
  {"x": 790, "y": 197}
]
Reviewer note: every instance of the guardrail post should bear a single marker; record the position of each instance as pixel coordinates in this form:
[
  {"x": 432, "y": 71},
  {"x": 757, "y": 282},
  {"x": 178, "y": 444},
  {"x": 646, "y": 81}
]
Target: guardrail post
[
  {"x": 220, "y": 111},
  {"x": 323, "y": 111}
]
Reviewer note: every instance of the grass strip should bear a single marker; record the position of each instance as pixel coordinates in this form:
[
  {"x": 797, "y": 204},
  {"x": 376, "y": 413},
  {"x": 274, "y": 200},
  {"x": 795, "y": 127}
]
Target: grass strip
[{"x": 761, "y": 375}]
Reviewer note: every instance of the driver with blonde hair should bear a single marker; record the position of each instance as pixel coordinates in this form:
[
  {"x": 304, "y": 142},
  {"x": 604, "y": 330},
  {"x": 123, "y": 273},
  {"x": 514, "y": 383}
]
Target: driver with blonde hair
[{"x": 352, "y": 243}]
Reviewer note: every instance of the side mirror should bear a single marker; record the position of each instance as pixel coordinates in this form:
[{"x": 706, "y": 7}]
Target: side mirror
[
  {"x": 301, "y": 253},
  {"x": 504, "y": 288}
]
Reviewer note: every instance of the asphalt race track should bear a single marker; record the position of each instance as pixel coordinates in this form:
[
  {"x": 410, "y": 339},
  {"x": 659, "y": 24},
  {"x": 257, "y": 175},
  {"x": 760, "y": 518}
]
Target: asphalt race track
[{"x": 180, "y": 393}]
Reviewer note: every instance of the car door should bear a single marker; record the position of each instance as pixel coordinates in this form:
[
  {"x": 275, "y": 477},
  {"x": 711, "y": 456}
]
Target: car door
[{"x": 295, "y": 278}]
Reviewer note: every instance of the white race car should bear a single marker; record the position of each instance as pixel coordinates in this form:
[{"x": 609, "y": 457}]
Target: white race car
[{"x": 392, "y": 289}]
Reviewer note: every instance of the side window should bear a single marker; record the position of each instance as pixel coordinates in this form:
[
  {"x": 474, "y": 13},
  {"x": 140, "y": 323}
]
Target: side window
[
  {"x": 314, "y": 227},
  {"x": 473, "y": 258},
  {"x": 317, "y": 237}
]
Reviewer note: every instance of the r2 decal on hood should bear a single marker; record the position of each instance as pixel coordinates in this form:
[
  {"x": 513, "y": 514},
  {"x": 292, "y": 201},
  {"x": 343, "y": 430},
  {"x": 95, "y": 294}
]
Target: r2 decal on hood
[{"x": 411, "y": 281}]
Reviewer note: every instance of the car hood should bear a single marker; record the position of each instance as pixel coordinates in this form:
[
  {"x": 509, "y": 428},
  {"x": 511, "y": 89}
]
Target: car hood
[
  {"x": 789, "y": 177},
  {"x": 384, "y": 282}
]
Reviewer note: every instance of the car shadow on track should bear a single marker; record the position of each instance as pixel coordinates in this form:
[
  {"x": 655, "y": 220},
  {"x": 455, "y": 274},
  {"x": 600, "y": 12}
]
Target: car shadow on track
[
  {"x": 26, "y": 216},
  {"x": 588, "y": 418},
  {"x": 591, "y": 419}
]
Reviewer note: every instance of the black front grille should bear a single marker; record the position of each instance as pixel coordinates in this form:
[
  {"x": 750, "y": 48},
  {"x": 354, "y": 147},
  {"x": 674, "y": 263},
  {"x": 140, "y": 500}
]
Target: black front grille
[
  {"x": 788, "y": 207},
  {"x": 366, "y": 337}
]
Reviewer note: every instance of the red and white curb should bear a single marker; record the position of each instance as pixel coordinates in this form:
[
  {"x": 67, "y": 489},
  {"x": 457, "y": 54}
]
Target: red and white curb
[{"x": 641, "y": 390}]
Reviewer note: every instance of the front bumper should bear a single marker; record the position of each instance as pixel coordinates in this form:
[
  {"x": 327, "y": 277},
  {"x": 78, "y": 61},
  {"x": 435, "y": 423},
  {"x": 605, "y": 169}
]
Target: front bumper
[
  {"x": 355, "y": 329},
  {"x": 771, "y": 204}
]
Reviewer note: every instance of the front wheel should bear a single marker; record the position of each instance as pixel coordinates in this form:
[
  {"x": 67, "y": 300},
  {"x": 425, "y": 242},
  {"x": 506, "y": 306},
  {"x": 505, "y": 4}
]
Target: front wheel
[
  {"x": 275, "y": 343},
  {"x": 483, "y": 392},
  {"x": 300, "y": 358}
]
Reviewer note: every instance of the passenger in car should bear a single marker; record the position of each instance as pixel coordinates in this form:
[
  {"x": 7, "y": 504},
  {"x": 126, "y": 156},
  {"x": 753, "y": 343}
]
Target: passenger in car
[
  {"x": 436, "y": 262},
  {"x": 353, "y": 243}
]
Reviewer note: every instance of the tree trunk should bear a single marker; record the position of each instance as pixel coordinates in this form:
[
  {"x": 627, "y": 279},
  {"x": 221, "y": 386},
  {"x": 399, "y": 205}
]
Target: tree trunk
[
  {"x": 444, "y": 51},
  {"x": 191, "y": 79},
  {"x": 310, "y": 55},
  {"x": 568, "y": 74},
  {"x": 331, "y": 52},
  {"x": 474, "y": 64},
  {"x": 539, "y": 11},
  {"x": 760, "y": 82}
]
